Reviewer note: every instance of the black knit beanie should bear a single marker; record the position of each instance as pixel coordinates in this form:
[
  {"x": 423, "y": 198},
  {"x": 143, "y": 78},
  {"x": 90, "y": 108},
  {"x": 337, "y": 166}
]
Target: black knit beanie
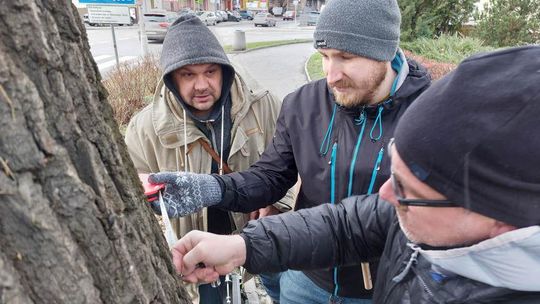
[
  {"x": 367, "y": 28},
  {"x": 474, "y": 135}
]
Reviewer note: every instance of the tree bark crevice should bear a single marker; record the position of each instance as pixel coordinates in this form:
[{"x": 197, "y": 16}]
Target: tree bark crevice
[{"x": 74, "y": 227}]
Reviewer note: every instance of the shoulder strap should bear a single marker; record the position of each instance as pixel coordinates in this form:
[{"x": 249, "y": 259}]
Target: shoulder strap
[{"x": 215, "y": 156}]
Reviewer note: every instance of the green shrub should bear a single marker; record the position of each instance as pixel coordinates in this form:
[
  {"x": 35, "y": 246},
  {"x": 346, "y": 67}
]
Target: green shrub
[
  {"x": 422, "y": 18},
  {"x": 509, "y": 23},
  {"x": 446, "y": 48}
]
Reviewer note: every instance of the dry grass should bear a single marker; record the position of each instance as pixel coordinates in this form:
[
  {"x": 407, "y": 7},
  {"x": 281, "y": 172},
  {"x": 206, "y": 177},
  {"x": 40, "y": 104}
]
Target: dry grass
[
  {"x": 131, "y": 87},
  {"x": 435, "y": 68}
]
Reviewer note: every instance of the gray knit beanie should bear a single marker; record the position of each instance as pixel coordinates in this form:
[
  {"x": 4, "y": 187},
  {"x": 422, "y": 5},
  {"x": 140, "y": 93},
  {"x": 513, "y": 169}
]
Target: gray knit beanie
[
  {"x": 189, "y": 41},
  {"x": 367, "y": 28}
]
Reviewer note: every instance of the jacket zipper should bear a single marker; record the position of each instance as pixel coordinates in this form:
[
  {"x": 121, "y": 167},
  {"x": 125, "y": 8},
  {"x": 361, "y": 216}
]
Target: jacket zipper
[{"x": 426, "y": 288}]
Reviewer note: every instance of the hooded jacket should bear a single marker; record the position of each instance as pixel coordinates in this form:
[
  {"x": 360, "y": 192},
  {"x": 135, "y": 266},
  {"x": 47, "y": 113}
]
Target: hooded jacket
[
  {"x": 321, "y": 147},
  {"x": 164, "y": 135},
  {"x": 155, "y": 142},
  {"x": 504, "y": 269}
]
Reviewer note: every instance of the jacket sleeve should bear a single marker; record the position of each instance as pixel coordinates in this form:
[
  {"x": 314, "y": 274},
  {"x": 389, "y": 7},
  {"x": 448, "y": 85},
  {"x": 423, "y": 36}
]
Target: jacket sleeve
[
  {"x": 287, "y": 202},
  {"x": 135, "y": 147},
  {"x": 268, "y": 180},
  {"x": 321, "y": 237}
]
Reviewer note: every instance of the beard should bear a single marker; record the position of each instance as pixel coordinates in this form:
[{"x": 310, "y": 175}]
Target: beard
[{"x": 361, "y": 93}]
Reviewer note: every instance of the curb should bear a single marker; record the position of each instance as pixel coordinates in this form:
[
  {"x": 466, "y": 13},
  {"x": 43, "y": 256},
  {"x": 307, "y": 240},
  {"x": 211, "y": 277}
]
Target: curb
[
  {"x": 306, "y": 69},
  {"x": 270, "y": 46}
]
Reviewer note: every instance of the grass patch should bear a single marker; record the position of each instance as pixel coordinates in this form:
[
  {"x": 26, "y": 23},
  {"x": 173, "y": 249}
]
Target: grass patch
[
  {"x": 314, "y": 66},
  {"x": 447, "y": 48},
  {"x": 263, "y": 44}
]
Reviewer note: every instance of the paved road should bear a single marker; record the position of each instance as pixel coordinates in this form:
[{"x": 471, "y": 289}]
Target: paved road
[
  {"x": 280, "y": 69},
  {"x": 129, "y": 46}
]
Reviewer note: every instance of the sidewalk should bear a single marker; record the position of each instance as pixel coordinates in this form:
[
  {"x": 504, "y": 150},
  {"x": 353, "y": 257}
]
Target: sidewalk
[{"x": 280, "y": 68}]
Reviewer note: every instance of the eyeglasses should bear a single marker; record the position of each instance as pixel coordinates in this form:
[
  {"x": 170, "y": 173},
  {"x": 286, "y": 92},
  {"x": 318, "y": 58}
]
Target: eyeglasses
[{"x": 400, "y": 193}]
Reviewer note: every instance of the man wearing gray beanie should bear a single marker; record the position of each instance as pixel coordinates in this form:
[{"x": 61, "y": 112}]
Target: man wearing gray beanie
[
  {"x": 206, "y": 117},
  {"x": 458, "y": 221},
  {"x": 332, "y": 133}
]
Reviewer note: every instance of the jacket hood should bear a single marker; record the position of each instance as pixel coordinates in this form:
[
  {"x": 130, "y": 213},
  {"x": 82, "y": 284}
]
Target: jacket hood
[
  {"x": 510, "y": 260},
  {"x": 168, "y": 120},
  {"x": 189, "y": 41}
]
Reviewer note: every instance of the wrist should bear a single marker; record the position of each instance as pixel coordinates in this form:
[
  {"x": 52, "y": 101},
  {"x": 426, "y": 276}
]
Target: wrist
[{"x": 239, "y": 243}]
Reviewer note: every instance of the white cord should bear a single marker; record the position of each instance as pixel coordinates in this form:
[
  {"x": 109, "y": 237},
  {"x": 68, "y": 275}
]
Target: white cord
[
  {"x": 221, "y": 144},
  {"x": 185, "y": 143}
]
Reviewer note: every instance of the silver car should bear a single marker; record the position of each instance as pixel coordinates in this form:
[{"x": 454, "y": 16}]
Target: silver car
[
  {"x": 156, "y": 24},
  {"x": 264, "y": 19},
  {"x": 208, "y": 18}
]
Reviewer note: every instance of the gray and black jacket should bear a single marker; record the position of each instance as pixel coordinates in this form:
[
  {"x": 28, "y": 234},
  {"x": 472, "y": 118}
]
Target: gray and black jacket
[
  {"x": 363, "y": 228},
  {"x": 300, "y": 148}
]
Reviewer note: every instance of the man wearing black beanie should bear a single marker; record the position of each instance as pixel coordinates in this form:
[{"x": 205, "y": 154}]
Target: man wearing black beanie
[
  {"x": 457, "y": 222},
  {"x": 332, "y": 133}
]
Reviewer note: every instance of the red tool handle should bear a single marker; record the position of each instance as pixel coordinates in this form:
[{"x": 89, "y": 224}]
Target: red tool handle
[{"x": 150, "y": 190}]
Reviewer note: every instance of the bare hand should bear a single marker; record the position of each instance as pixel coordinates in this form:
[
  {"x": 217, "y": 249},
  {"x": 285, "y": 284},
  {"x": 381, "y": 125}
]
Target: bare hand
[
  {"x": 219, "y": 254},
  {"x": 254, "y": 215},
  {"x": 267, "y": 211}
]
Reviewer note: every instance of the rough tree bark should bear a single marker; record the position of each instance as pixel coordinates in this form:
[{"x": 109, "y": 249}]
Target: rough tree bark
[{"x": 74, "y": 227}]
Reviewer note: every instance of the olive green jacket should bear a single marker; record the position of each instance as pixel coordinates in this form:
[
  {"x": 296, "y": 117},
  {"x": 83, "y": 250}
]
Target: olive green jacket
[{"x": 155, "y": 141}]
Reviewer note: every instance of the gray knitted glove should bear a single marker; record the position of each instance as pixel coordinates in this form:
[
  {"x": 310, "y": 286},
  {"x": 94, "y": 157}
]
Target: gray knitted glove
[{"x": 186, "y": 193}]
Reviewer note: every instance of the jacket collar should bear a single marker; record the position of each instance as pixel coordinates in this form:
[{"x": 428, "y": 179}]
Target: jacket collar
[{"x": 510, "y": 260}]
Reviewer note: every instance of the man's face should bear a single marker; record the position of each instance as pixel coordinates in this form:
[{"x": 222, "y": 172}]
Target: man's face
[
  {"x": 353, "y": 79},
  {"x": 434, "y": 226},
  {"x": 199, "y": 85}
]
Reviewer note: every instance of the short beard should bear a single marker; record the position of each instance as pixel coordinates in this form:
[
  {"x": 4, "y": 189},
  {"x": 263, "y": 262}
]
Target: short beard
[{"x": 364, "y": 92}]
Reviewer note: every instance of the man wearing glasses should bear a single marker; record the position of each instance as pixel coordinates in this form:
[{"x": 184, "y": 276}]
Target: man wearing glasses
[{"x": 457, "y": 222}]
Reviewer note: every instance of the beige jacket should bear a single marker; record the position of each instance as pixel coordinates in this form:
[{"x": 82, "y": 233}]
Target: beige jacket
[{"x": 155, "y": 141}]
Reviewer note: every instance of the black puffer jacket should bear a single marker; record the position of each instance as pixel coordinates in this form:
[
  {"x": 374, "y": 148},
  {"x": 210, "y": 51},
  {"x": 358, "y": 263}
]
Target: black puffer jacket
[
  {"x": 360, "y": 229},
  {"x": 300, "y": 131}
]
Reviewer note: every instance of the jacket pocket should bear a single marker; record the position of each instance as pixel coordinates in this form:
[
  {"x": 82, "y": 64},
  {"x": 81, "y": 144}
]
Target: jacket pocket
[{"x": 246, "y": 149}]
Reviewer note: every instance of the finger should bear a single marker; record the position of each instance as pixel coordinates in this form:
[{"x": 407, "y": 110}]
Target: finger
[
  {"x": 202, "y": 275},
  {"x": 224, "y": 269},
  {"x": 254, "y": 215},
  {"x": 178, "y": 252}
]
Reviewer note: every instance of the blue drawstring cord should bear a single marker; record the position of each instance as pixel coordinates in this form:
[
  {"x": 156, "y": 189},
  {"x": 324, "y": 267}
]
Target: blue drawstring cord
[
  {"x": 333, "y": 197},
  {"x": 378, "y": 121},
  {"x": 361, "y": 120},
  {"x": 328, "y": 136},
  {"x": 333, "y": 174},
  {"x": 376, "y": 169}
]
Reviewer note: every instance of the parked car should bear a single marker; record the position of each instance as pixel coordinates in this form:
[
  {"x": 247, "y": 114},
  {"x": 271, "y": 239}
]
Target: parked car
[
  {"x": 156, "y": 24},
  {"x": 246, "y": 15},
  {"x": 219, "y": 16},
  {"x": 208, "y": 18},
  {"x": 288, "y": 15},
  {"x": 185, "y": 10},
  {"x": 264, "y": 19},
  {"x": 233, "y": 16},
  {"x": 313, "y": 18}
]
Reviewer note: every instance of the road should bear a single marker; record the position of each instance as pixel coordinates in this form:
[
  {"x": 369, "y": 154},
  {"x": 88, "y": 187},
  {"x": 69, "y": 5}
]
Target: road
[{"x": 129, "y": 47}]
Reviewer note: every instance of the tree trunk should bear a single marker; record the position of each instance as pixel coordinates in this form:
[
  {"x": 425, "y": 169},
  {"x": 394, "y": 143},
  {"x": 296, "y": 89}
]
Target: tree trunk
[{"x": 74, "y": 227}]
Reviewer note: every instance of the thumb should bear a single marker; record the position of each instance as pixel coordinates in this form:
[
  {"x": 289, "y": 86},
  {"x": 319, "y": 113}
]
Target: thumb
[{"x": 162, "y": 178}]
